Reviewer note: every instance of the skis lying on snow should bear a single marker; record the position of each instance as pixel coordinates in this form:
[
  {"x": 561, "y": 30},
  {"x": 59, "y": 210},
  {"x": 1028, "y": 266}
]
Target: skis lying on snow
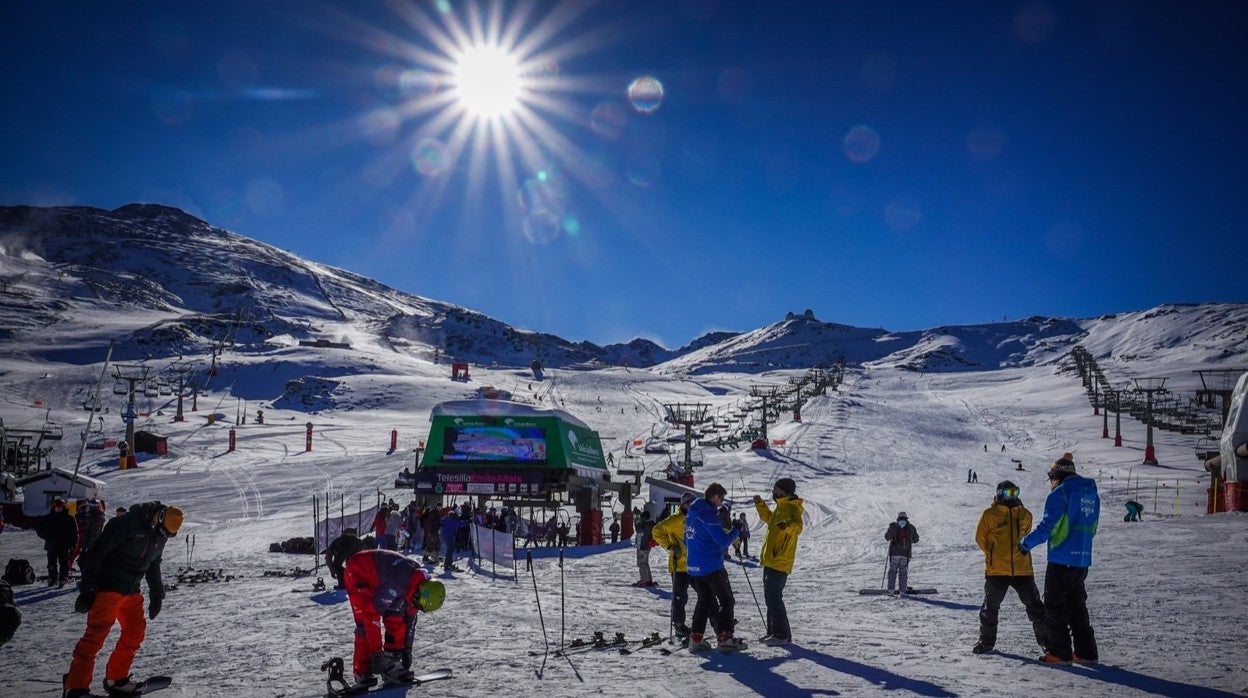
[
  {"x": 336, "y": 685},
  {"x": 600, "y": 641},
  {"x": 885, "y": 592}
]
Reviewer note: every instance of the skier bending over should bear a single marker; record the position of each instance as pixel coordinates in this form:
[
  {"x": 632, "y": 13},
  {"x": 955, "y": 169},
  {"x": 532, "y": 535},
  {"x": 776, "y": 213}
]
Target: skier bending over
[{"x": 387, "y": 588}]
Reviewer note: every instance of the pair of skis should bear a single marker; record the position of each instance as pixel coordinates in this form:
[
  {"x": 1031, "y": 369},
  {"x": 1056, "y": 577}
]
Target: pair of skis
[{"x": 600, "y": 641}]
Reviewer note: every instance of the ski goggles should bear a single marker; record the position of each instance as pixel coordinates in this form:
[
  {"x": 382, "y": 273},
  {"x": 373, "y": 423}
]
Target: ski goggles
[{"x": 1008, "y": 492}]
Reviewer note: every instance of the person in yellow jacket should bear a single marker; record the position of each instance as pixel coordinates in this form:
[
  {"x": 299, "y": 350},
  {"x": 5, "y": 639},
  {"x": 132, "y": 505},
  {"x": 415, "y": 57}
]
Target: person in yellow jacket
[
  {"x": 1001, "y": 527},
  {"x": 779, "y": 552},
  {"x": 670, "y": 533}
]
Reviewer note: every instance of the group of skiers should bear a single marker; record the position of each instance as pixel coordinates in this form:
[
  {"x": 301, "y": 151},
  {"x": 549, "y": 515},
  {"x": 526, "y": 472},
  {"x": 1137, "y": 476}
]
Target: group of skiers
[
  {"x": 387, "y": 589},
  {"x": 697, "y": 540}
]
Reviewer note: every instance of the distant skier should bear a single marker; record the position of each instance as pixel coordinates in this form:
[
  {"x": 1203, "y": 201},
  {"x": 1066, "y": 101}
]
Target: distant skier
[
  {"x": 59, "y": 532},
  {"x": 741, "y": 546},
  {"x": 784, "y": 525},
  {"x": 1071, "y": 514},
  {"x": 1134, "y": 509},
  {"x": 394, "y": 526},
  {"x": 643, "y": 541},
  {"x": 449, "y": 530},
  {"x": 386, "y": 590},
  {"x": 1001, "y": 527},
  {"x": 901, "y": 536},
  {"x": 128, "y": 551},
  {"x": 706, "y": 540}
]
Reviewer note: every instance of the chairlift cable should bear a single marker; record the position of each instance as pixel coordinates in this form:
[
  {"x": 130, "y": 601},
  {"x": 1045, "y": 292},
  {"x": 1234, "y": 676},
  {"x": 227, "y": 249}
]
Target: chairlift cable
[{"x": 82, "y": 448}]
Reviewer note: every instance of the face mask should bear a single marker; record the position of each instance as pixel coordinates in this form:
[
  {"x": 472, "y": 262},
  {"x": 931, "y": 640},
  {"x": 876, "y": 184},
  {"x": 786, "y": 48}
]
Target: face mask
[{"x": 901, "y": 524}]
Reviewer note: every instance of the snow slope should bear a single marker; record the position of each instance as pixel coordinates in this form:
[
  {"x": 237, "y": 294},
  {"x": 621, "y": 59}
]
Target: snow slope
[{"x": 1165, "y": 594}]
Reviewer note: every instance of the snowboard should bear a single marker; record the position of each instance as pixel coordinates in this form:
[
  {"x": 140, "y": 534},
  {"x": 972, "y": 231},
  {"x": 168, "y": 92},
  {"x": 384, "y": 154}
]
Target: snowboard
[
  {"x": 151, "y": 685},
  {"x": 884, "y": 592},
  {"x": 435, "y": 675},
  {"x": 336, "y": 684}
]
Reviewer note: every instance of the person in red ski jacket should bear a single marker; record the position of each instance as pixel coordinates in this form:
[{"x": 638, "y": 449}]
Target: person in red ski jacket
[{"x": 387, "y": 589}]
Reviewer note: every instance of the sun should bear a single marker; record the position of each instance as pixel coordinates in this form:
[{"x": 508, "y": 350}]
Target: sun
[{"x": 487, "y": 81}]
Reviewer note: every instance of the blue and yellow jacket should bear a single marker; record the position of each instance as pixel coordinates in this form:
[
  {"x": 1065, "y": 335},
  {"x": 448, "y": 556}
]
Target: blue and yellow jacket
[{"x": 1071, "y": 513}]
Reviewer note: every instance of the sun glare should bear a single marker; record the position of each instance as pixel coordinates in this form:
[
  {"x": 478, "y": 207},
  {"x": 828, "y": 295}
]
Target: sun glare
[{"x": 487, "y": 81}]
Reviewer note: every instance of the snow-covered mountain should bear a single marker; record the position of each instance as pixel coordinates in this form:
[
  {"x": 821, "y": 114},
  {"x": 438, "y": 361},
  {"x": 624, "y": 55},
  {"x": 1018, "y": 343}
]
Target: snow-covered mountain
[
  {"x": 916, "y": 412},
  {"x": 68, "y": 272}
]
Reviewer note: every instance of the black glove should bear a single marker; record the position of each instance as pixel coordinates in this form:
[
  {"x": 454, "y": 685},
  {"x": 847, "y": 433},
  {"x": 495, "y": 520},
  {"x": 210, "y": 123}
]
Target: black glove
[
  {"x": 83, "y": 603},
  {"x": 153, "y": 606},
  {"x": 1023, "y": 550}
]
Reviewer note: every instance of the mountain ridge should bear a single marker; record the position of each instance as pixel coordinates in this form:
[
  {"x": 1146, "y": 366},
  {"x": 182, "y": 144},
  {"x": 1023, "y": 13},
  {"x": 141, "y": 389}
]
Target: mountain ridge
[{"x": 68, "y": 270}]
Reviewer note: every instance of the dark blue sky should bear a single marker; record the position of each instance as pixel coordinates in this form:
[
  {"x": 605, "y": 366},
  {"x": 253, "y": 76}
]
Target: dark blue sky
[{"x": 885, "y": 164}]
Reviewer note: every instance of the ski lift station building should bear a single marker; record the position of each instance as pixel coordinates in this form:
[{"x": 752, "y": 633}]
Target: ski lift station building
[
  {"x": 515, "y": 452},
  {"x": 39, "y": 490}
]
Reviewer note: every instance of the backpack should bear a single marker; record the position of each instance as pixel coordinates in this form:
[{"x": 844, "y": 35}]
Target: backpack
[{"x": 19, "y": 572}]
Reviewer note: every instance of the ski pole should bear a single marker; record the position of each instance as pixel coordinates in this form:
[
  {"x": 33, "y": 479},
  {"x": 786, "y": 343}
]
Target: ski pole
[
  {"x": 751, "y": 585},
  {"x": 538, "y": 597},
  {"x": 884, "y": 578},
  {"x": 563, "y": 595}
]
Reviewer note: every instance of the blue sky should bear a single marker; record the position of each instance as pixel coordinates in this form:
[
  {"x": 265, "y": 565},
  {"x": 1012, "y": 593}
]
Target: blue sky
[{"x": 886, "y": 164}]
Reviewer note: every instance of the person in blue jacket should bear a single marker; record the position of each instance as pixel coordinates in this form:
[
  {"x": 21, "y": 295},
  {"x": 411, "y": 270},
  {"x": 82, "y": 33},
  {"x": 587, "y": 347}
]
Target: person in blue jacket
[
  {"x": 706, "y": 542},
  {"x": 1071, "y": 513}
]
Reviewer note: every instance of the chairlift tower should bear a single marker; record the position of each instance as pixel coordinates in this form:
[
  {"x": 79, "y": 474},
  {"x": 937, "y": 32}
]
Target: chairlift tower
[
  {"x": 1219, "y": 383},
  {"x": 1115, "y": 401},
  {"x": 765, "y": 394},
  {"x": 1150, "y": 386},
  {"x": 132, "y": 374},
  {"x": 687, "y": 415},
  {"x": 181, "y": 370}
]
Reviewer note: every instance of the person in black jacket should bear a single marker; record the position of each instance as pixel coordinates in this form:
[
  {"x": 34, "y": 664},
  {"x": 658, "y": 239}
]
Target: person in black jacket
[
  {"x": 901, "y": 535},
  {"x": 127, "y": 551},
  {"x": 59, "y": 532}
]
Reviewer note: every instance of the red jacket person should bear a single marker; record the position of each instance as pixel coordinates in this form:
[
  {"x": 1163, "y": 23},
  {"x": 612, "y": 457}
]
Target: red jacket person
[{"x": 387, "y": 589}]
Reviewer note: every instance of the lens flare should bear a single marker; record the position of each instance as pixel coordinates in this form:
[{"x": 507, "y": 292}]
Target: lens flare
[
  {"x": 429, "y": 157},
  {"x": 645, "y": 94},
  {"x": 862, "y": 144}
]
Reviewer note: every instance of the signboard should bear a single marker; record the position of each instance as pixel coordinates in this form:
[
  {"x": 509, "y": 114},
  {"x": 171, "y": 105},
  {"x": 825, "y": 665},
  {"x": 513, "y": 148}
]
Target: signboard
[
  {"x": 477, "y": 437},
  {"x": 438, "y": 481}
]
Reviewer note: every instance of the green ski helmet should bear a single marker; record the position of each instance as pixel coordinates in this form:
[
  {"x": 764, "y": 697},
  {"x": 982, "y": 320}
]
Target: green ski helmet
[{"x": 430, "y": 595}]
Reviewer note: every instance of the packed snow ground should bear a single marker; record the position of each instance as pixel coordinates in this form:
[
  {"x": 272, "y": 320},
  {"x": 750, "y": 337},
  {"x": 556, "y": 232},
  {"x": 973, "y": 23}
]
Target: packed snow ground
[{"x": 1166, "y": 595}]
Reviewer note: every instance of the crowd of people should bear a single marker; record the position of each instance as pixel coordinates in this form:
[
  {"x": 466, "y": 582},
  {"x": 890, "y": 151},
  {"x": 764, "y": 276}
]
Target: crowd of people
[
  {"x": 697, "y": 536},
  {"x": 387, "y": 586}
]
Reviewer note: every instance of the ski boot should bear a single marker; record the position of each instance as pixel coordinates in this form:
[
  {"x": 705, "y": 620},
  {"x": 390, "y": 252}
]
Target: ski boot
[{"x": 123, "y": 687}]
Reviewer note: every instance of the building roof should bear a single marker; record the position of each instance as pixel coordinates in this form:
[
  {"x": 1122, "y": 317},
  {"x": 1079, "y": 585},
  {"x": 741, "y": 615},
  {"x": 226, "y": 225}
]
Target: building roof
[
  {"x": 473, "y": 408},
  {"x": 79, "y": 478}
]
